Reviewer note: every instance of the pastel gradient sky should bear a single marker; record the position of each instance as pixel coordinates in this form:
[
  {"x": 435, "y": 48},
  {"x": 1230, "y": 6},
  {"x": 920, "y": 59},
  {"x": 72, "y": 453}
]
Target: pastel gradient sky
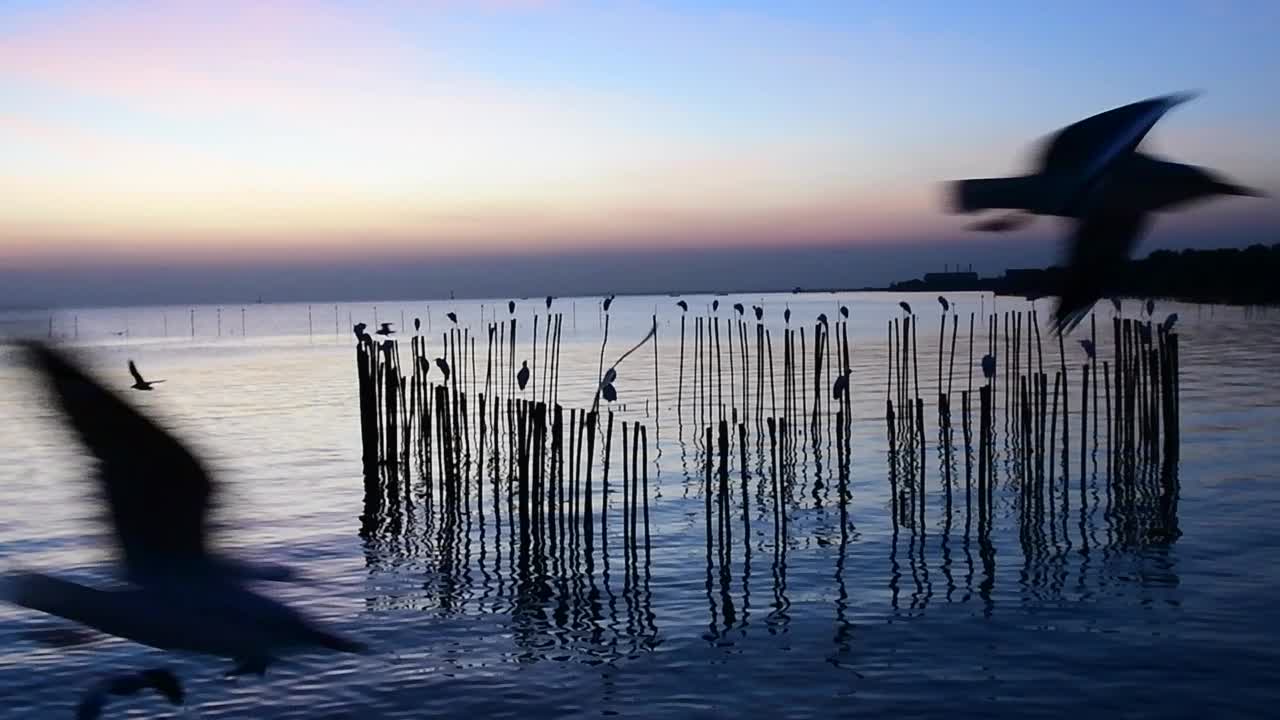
[{"x": 212, "y": 137}]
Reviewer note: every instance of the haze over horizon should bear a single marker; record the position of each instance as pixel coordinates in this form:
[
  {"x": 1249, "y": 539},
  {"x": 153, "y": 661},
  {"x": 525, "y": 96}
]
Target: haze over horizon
[{"x": 196, "y": 152}]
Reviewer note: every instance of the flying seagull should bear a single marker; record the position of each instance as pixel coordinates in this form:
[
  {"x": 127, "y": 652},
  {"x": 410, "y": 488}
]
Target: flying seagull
[
  {"x": 181, "y": 595},
  {"x": 138, "y": 382},
  {"x": 385, "y": 329},
  {"x": 989, "y": 366},
  {"x": 522, "y": 377},
  {"x": 1089, "y": 350},
  {"x": 1092, "y": 173},
  {"x": 905, "y": 307},
  {"x": 684, "y": 306},
  {"x": 943, "y": 302}
]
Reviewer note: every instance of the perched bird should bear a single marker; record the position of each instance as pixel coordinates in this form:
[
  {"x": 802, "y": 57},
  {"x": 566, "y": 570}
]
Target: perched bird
[
  {"x": 444, "y": 368},
  {"x": 453, "y": 317},
  {"x": 715, "y": 305},
  {"x": 1167, "y": 325},
  {"x": 180, "y": 594},
  {"x": 549, "y": 299},
  {"x": 786, "y": 315},
  {"x": 841, "y": 387},
  {"x": 739, "y": 308},
  {"x": 943, "y": 302},
  {"x": 358, "y": 329},
  {"x": 138, "y": 382},
  {"x": 607, "y": 302},
  {"x": 385, "y": 329},
  {"x": 822, "y": 318},
  {"x": 424, "y": 366},
  {"x": 1089, "y": 350},
  {"x": 522, "y": 377},
  {"x": 511, "y": 306},
  {"x": 905, "y": 307},
  {"x": 1151, "y": 307},
  {"x": 989, "y": 366},
  {"x": 609, "y": 392},
  {"x": 610, "y": 375},
  {"x": 1091, "y": 172},
  {"x": 159, "y": 679},
  {"x": 684, "y": 306},
  {"x": 417, "y": 324},
  {"x": 759, "y": 312},
  {"x": 844, "y": 311}
]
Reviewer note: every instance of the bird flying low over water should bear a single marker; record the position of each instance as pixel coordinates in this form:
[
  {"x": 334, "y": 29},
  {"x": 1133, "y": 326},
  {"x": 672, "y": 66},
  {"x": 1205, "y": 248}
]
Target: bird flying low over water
[
  {"x": 522, "y": 377},
  {"x": 1092, "y": 173},
  {"x": 138, "y": 382},
  {"x": 181, "y": 594},
  {"x": 385, "y": 329}
]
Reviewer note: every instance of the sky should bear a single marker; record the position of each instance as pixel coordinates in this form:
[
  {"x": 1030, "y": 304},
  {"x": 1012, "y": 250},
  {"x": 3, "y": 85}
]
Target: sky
[{"x": 176, "y": 151}]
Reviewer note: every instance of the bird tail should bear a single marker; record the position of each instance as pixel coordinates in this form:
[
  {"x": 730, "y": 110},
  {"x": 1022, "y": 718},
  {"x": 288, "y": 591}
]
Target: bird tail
[{"x": 1026, "y": 192}]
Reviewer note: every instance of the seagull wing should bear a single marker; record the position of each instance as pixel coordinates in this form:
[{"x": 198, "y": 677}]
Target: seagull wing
[
  {"x": 1099, "y": 245},
  {"x": 137, "y": 376},
  {"x": 157, "y": 493},
  {"x": 1088, "y": 146}
]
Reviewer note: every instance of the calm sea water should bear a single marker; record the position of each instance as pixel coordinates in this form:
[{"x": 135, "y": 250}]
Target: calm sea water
[{"x": 867, "y": 621}]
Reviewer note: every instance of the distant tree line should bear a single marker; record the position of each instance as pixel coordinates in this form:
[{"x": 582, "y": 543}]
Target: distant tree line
[{"x": 1248, "y": 276}]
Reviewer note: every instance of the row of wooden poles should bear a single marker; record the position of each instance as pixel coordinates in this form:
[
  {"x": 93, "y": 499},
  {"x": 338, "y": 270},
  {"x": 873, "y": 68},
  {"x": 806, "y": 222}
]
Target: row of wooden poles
[
  {"x": 531, "y": 459},
  {"x": 1139, "y": 435}
]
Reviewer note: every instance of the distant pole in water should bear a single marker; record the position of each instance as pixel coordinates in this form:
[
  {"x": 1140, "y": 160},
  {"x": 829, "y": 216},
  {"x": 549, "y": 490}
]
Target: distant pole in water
[
  {"x": 242, "y": 333},
  {"x": 309, "y": 326},
  {"x": 219, "y": 322},
  {"x": 193, "y": 322},
  {"x": 166, "y": 323},
  {"x": 76, "y": 325},
  {"x": 336, "y": 330}
]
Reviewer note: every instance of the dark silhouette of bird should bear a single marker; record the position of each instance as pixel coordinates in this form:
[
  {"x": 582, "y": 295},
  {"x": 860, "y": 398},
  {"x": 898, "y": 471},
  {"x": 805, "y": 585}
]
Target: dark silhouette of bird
[
  {"x": 684, "y": 306},
  {"x": 905, "y": 307},
  {"x": 1091, "y": 172},
  {"x": 358, "y": 329},
  {"x": 943, "y": 302},
  {"x": 549, "y": 299},
  {"x": 453, "y": 317},
  {"x": 1151, "y": 307},
  {"x": 786, "y": 315},
  {"x": 385, "y": 329},
  {"x": 609, "y": 392},
  {"x": 841, "y": 387},
  {"x": 844, "y": 311},
  {"x": 610, "y": 375},
  {"x": 511, "y": 306},
  {"x": 822, "y": 318},
  {"x": 989, "y": 366},
  {"x": 417, "y": 324},
  {"x": 1002, "y": 223},
  {"x": 181, "y": 594},
  {"x": 759, "y": 311},
  {"x": 715, "y": 306},
  {"x": 522, "y": 377},
  {"x": 424, "y": 366},
  {"x": 159, "y": 679},
  {"x": 1089, "y": 350},
  {"x": 138, "y": 382},
  {"x": 1167, "y": 325},
  {"x": 607, "y": 302},
  {"x": 444, "y": 368},
  {"x": 739, "y": 308}
]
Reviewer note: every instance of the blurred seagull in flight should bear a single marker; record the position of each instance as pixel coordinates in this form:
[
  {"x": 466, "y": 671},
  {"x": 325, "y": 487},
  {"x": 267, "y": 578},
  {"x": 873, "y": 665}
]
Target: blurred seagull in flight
[
  {"x": 181, "y": 595},
  {"x": 138, "y": 382},
  {"x": 1092, "y": 173}
]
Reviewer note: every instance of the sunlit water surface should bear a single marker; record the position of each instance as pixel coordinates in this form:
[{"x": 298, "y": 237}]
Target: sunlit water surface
[{"x": 841, "y": 624}]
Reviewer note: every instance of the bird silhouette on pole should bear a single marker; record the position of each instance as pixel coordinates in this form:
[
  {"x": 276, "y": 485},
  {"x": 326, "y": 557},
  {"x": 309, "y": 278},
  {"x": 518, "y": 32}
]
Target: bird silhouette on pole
[
  {"x": 1151, "y": 307},
  {"x": 1169, "y": 321},
  {"x": 181, "y": 594},
  {"x": 759, "y": 311},
  {"x": 906, "y": 308},
  {"x": 522, "y": 377},
  {"x": 684, "y": 306},
  {"x": 607, "y": 302},
  {"x": 841, "y": 386},
  {"x": 1092, "y": 173},
  {"x": 138, "y": 382},
  {"x": 444, "y": 368},
  {"x": 786, "y": 316},
  {"x": 358, "y": 329},
  {"x": 989, "y": 366},
  {"x": 453, "y": 317},
  {"x": 822, "y": 318},
  {"x": 1089, "y": 349},
  {"x": 424, "y": 366},
  {"x": 740, "y": 309},
  {"x": 844, "y": 311},
  {"x": 549, "y": 299},
  {"x": 417, "y": 324},
  {"x": 715, "y": 306},
  {"x": 511, "y": 307},
  {"x": 385, "y": 329},
  {"x": 943, "y": 302}
]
